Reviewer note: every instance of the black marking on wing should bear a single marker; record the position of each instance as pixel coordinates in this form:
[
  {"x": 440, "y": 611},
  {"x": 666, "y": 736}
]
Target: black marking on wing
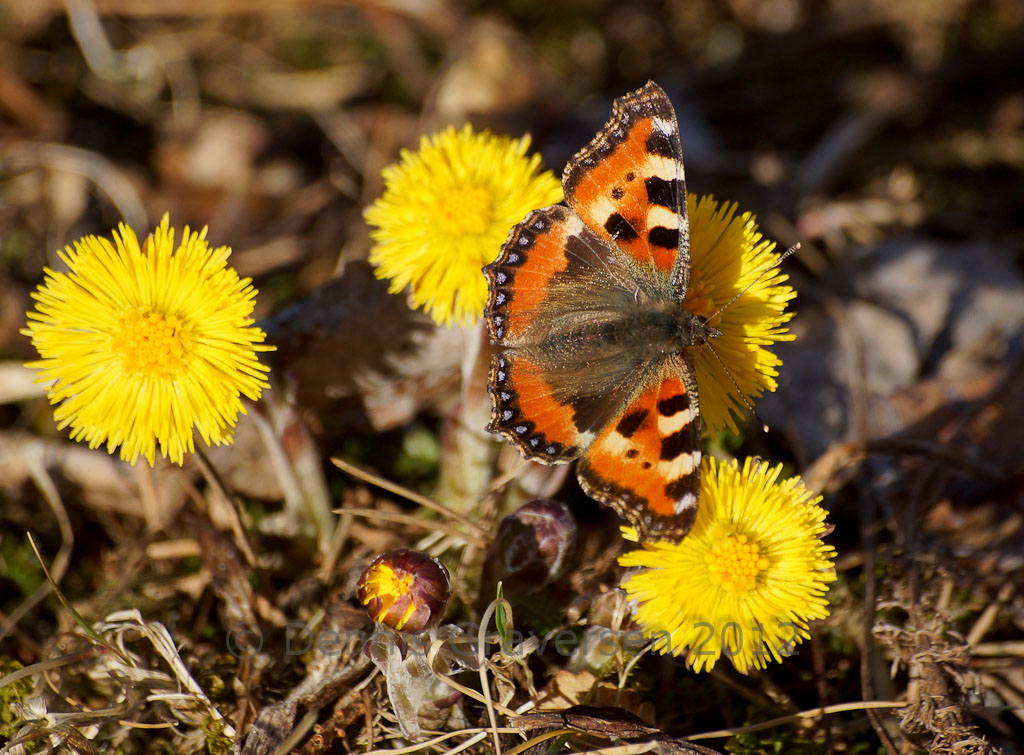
[
  {"x": 619, "y": 228},
  {"x": 631, "y": 423},
  {"x": 658, "y": 143},
  {"x": 678, "y": 443},
  {"x": 673, "y": 405},
  {"x": 662, "y": 192},
  {"x": 667, "y": 238}
]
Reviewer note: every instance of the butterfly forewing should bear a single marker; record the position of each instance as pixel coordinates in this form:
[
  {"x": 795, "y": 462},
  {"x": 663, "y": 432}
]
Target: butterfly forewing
[{"x": 628, "y": 184}]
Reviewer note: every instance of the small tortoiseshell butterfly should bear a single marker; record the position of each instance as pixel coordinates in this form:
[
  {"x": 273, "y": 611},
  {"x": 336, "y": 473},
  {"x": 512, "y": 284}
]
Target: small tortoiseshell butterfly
[{"x": 586, "y": 302}]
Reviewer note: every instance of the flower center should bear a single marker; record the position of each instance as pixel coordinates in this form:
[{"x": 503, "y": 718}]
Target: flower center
[
  {"x": 151, "y": 342},
  {"x": 465, "y": 210},
  {"x": 734, "y": 563},
  {"x": 699, "y": 302},
  {"x": 389, "y": 586}
]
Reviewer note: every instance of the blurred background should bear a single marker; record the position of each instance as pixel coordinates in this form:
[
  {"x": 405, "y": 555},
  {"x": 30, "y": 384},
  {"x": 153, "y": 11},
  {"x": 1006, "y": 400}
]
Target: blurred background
[{"x": 887, "y": 137}]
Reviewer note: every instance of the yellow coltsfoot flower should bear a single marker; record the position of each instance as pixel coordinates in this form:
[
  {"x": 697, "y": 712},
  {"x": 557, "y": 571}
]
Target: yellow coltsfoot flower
[
  {"x": 727, "y": 254},
  {"x": 146, "y": 345},
  {"x": 746, "y": 580},
  {"x": 445, "y": 212},
  {"x": 405, "y": 590}
]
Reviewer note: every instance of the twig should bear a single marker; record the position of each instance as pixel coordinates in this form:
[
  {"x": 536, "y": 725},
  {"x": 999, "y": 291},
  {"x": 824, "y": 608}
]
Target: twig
[
  {"x": 821, "y": 684},
  {"x": 435, "y": 648},
  {"x": 412, "y": 520},
  {"x": 85, "y": 626},
  {"x": 214, "y": 479},
  {"x": 636, "y": 749},
  {"x": 298, "y": 468},
  {"x": 865, "y": 705},
  {"x": 107, "y": 177},
  {"x": 409, "y": 495},
  {"x": 628, "y": 669},
  {"x": 467, "y": 744},
  {"x": 485, "y": 687},
  {"x": 32, "y": 457},
  {"x": 430, "y": 743},
  {"x": 504, "y": 479},
  {"x": 1007, "y": 648},
  {"x": 341, "y": 531},
  {"x": 38, "y": 668},
  {"x": 530, "y": 743},
  {"x": 184, "y": 547},
  {"x": 867, "y": 658}
]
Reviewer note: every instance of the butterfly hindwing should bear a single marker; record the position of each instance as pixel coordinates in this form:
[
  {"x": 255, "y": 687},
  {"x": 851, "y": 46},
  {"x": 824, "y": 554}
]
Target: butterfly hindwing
[
  {"x": 628, "y": 185},
  {"x": 525, "y": 411},
  {"x": 646, "y": 465}
]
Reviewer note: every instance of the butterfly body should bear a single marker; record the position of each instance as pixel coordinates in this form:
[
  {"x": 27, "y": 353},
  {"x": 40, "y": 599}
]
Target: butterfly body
[{"x": 586, "y": 303}]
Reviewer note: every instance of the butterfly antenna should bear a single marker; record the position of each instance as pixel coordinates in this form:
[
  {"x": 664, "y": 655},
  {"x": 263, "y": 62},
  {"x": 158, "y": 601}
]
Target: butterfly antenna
[
  {"x": 742, "y": 395},
  {"x": 728, "y": 372},
  {"x": 753, "y": 283}
]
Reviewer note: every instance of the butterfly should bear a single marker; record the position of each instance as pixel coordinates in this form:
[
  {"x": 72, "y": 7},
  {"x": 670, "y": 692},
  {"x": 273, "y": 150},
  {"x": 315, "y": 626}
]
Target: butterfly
[{"x": 585, "y": 303}]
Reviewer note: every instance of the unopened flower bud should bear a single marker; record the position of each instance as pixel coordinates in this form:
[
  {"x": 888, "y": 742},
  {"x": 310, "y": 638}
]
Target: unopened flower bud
[
  {"x": 405, "y": 590},
  {"x": 532, "y": 547}
]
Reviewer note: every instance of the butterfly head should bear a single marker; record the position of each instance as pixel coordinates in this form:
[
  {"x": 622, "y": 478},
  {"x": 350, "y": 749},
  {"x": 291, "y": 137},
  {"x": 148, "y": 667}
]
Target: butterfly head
[{"x": 695, "y": 330}]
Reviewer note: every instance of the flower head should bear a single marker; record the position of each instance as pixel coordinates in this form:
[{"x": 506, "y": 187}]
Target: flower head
[
  {"x": 445, "y": 212},
  {"x": 531, "y": 548},
  {"x": 405, "y": 590},
  {"x": 146, "y": 344},
  {"x": 746, "y": 580},
  {"x": 727, "y": 254}
]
